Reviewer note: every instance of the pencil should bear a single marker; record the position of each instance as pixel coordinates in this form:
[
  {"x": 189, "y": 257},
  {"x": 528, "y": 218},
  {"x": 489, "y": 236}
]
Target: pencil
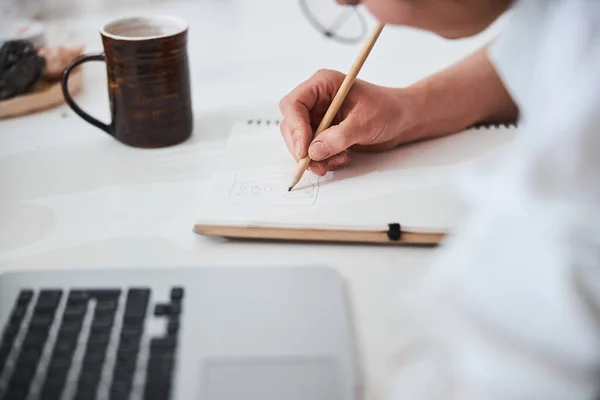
[{"x": 335, "y": 105}]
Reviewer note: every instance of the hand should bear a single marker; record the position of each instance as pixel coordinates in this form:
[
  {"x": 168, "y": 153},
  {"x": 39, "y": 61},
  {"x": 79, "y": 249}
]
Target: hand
[{"x": 372, "y": 118}]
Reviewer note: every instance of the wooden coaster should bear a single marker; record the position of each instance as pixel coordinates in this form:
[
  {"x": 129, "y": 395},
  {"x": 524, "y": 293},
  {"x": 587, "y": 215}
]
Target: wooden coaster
[{"x": 45, "y": 95}]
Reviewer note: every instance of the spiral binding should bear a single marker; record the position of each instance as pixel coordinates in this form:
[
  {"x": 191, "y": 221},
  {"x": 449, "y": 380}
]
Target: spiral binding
[
  {"x": 277, "y": 122},
  {"x": 495, "y": 126},
  {"x": 261, "y": 122}
]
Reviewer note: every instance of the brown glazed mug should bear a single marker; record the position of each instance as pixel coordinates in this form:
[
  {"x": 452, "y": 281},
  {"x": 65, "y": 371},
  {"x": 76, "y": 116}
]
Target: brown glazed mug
[{"x": 148, "y": 81}]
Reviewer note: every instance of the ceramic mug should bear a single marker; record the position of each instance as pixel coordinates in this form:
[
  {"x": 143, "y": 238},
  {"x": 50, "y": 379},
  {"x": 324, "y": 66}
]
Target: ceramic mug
[{"x": 148, "y": 81}]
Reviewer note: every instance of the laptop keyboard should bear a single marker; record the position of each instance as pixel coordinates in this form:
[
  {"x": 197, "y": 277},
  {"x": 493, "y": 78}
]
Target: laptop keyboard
[{"x": 89, "y": 344}]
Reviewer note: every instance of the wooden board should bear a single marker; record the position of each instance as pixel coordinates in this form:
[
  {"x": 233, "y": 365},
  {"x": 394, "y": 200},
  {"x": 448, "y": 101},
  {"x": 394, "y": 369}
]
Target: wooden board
[
  {"x": 319, "y": 235},
  {"x": 45, "y": 95}
]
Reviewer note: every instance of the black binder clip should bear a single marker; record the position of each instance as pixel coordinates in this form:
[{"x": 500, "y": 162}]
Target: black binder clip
[{"x": 394, "y": 231}]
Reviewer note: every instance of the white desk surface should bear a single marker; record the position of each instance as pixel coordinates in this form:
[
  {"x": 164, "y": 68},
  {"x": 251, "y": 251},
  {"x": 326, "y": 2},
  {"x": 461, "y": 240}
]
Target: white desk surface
[{"x": 72, "y": 196}]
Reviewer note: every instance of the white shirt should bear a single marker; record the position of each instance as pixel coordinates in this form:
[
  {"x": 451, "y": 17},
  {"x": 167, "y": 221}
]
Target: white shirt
[{"x": 511, "y": 308}]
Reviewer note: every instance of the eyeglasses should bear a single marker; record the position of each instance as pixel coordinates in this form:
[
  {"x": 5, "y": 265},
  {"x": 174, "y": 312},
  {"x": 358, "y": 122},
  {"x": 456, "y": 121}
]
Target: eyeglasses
[{"x": 345, "y": 24}]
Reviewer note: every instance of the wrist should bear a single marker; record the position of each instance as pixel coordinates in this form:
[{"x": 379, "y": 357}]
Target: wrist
[
  {"x": 467, "y": 93},
  {"x": 414, "y": 123},
  {"x": 441, "y": 108}
]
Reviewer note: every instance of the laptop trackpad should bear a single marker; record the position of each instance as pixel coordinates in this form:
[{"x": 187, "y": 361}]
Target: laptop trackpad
[{"x": 268, "y": 379}]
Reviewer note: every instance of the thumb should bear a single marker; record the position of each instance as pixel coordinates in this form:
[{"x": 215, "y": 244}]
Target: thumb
[{"x": 333, "y": 140}]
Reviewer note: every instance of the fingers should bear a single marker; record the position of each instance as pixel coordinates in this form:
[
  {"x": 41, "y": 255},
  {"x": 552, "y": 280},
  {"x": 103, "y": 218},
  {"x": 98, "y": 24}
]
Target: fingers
[
  {"x": 303, "y": 102},
  {"x": 296, "y": 107},
  {"x": 296, "y": 131},
  {"x": 334, "y": 140},
  {"x": 288, "y": 138},
  {"x": 302, "y": 109},
  {"x": 322, "y": 167},
  {"x": 317, "y": 167}
]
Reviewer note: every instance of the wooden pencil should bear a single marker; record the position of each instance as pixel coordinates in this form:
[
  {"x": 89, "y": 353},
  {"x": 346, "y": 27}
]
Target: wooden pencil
[{"x": 335, "y": 105}]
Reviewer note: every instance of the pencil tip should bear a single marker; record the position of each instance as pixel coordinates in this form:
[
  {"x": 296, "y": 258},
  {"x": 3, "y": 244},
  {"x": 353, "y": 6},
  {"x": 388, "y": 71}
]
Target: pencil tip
[{"x": 290, "y": 189}]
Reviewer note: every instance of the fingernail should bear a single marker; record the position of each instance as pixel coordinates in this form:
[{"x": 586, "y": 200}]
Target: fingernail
[
  {"x": 315, "y": 170},
  {"x": 318, "y": 151},
  {"x": 297, "y": 149},
  {"x": 337, "y": 159}
]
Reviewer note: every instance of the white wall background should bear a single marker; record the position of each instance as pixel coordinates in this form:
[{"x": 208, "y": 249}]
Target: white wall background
[{"x": 50, "y": 9}]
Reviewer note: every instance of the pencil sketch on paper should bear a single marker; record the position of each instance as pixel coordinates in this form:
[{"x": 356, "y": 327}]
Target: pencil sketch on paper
[{"x": 272, "y": 189}]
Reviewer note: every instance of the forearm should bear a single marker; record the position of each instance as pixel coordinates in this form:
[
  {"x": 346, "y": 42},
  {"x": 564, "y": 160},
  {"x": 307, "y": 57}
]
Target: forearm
[{"x": 467, "y": 93}]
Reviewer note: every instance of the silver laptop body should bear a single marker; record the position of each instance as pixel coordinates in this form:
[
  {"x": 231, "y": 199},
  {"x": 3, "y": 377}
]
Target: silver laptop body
[{"x": 183, "y": 334}]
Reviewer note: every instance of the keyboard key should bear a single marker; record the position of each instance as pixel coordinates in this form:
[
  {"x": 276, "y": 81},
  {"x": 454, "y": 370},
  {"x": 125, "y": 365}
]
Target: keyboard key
[
  {"x": 96, "y": 347},
  {"x": 98, "y": 339},
  {"x": 173, "y": 327},
  {"x": 65, "y": 346},
  {"x": 88, "y": 380},
  {"x": 70, "y": 329},
  {"x": 5, "y": 349},
  {"x": 134, "y": 322},
  {"x": 21, "y": 378},
  {"x": 47, "y": 308},
  {"x": 23, "y": 368},
  {"x": 161, "y": 310},
  {"x": 136, "y": 309},
  {"x": 157, "y": 390},
  {"x": 167, "y": 309},
  {"x": 60, "y": 362},
  {"x": 30, "y": 355},
  {"x": 139, "y": 292},
  {"x": 124, "y": 373},
  {"x": 105, "y": 294},
  {"x": 13, "y": 326},
  {"x": 49, "y": 298},
  {"x": 119, "y": 392},
  {"x": 123, "y": 377},
  {"x": 11, "y": 332},
  {"x": 25, "y": 297},
  {"x": 157, "y": 358},
  {"x": 126, "y": 357},
  {"x": 161, "y": 344},
  {"x": 124, "y": 354},
  {"x": 52, "y": 390},
  {"x": 17, "y": 392},
  {"x": 18, "y": 313},
  {"x": 129, "y": 347},
  {"x": 103, "y": 322},
  {"x": 94, "y": 358},
  {"x": 74, "y": 312},
  {"x": 78, "y": 297},
  {"x": 175, "y": 308},
  {"x": 100, "y": 329},
  {"x": 160, "y": 367},
  {"x": 41, "y": 320},
  {"x": 177, "y": 293},
  {"x": 90, "y": 376},
  {"x": 32, "y": 348},
  {"x": 132, "y": 330},
  {"x": 35, "y": 337},
  {"x": 86, "y": 392},
  {"x": 107, "y": 305}
]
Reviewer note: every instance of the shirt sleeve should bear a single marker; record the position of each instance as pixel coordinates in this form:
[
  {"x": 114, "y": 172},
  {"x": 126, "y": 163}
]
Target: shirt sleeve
[{"x": 512, "y": 303}]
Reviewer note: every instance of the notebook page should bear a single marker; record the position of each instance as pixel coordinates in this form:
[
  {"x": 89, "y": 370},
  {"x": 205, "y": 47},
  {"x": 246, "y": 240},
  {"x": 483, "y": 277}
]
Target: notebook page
[{"x": 412, "y": 185}]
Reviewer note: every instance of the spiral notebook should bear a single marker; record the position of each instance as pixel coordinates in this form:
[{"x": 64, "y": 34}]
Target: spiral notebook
[{"x": 379, "y": 197}]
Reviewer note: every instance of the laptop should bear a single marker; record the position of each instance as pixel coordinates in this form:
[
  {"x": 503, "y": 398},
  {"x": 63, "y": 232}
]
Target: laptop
[{"x": 176, "y": 334}]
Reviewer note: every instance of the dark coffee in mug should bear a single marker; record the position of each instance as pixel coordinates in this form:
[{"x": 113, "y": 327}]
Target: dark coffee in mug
[{"x": 148, "y": 81}]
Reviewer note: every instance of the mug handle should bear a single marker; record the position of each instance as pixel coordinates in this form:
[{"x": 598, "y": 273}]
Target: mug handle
[{"x": 65, "y": 89}]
